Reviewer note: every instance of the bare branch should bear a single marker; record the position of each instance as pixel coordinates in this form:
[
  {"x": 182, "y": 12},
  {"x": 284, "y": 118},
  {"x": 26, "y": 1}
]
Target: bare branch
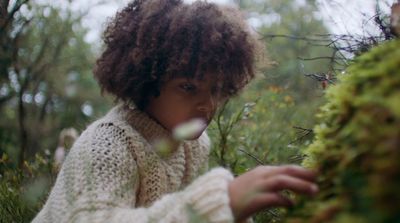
[{"x": 17, "y": 6}]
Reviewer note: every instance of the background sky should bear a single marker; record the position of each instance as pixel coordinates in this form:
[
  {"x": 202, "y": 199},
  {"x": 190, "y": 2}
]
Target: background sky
[{"x": 340, "y": 16}]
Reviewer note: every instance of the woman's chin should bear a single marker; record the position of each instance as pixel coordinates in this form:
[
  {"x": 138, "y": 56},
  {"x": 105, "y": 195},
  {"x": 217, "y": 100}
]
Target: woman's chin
[{"x": 196, "y": 136}]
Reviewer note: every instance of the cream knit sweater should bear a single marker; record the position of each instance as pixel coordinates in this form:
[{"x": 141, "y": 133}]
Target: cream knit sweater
[{"x": 114, "y": 174}]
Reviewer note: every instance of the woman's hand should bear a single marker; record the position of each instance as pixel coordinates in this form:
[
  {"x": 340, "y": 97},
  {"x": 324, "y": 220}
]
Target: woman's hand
[{"x": 260, "y": 188}]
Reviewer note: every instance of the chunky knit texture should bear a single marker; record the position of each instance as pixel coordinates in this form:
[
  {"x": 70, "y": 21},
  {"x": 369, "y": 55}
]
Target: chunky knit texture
[{"x": 113, "y": 173}]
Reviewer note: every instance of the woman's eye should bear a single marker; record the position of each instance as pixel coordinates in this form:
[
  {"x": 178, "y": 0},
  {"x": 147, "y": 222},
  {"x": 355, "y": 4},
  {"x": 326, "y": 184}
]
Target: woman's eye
[{"x": 188, "y": 87}]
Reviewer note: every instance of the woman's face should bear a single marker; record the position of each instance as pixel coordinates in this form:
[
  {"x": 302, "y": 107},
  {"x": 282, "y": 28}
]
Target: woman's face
[{"x": 182, "y": 100}]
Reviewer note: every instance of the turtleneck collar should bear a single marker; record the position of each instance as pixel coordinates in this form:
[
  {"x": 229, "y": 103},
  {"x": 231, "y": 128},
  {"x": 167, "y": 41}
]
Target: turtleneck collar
[{"x": 150, "y": 129}]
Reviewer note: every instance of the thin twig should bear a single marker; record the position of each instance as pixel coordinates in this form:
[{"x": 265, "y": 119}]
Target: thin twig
[
  {"x": 306, "y": 133},
  {"x": 252, "y": 156}
]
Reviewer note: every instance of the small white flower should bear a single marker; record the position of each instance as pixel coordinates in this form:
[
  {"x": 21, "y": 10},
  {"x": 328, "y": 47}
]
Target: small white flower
[{"x": 189, "y": 129}]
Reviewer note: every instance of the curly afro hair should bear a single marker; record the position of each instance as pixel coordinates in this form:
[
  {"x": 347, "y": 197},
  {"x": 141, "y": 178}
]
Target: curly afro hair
[{"x": 151, "y": 41}]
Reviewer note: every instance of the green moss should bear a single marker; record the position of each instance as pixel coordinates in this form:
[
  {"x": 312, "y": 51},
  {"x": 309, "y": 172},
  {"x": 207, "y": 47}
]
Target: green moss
[{"x": 357, "y": 145}]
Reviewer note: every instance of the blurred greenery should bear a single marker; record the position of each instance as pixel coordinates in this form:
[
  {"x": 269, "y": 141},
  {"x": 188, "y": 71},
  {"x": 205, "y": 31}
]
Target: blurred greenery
[
  {"x": 23, "y": 191},
  {"x": 271, "y": 120},
  {"x": 46, "y": 86}
]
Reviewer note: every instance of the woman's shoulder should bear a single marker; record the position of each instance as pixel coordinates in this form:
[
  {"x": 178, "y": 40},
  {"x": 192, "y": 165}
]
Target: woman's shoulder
[
  {"x": 108, "y": 138},
  {"x": 110, "y": 130},
  {"x": 114, "y": 122}
]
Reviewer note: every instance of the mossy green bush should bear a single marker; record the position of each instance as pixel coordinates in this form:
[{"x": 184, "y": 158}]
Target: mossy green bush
[{"x": 357, "y": 146}]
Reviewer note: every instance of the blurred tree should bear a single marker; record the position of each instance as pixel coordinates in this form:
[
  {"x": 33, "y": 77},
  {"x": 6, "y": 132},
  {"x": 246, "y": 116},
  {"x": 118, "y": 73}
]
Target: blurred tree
[
  {"x": 283, "y": 25},
  {"x": 374, "y": 27},
  {"x": 45, "y": 80},
  {"x": 300, "y": 46},
  {"x": 298, "y": 25},
  {"x": 284, "y": 98}
]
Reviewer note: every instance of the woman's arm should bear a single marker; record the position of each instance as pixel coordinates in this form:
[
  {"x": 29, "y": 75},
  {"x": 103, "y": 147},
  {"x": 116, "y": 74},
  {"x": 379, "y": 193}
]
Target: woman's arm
[{"x": 110, "y": 180}]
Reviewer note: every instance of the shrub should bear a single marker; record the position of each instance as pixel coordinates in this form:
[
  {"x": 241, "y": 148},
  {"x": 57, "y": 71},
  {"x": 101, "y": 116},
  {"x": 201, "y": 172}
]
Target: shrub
[
  {"x": 23, "y": 191},
  {"x": 357, "y": 145}
]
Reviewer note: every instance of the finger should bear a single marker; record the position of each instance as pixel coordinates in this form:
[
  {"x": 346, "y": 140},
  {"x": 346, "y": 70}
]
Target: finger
[
  {"x": 267, "y": 200},
  {"x": 285, "y": 182},
  {"x": 291, "y": 170}
]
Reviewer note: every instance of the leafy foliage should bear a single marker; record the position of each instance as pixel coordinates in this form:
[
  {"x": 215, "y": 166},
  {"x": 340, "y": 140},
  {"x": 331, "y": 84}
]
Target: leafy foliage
[{"x": 22, "y": 191}]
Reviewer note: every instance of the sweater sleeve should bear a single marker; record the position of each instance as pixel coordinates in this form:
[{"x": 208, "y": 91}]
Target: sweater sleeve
[{"x": 110, "y": 185}]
